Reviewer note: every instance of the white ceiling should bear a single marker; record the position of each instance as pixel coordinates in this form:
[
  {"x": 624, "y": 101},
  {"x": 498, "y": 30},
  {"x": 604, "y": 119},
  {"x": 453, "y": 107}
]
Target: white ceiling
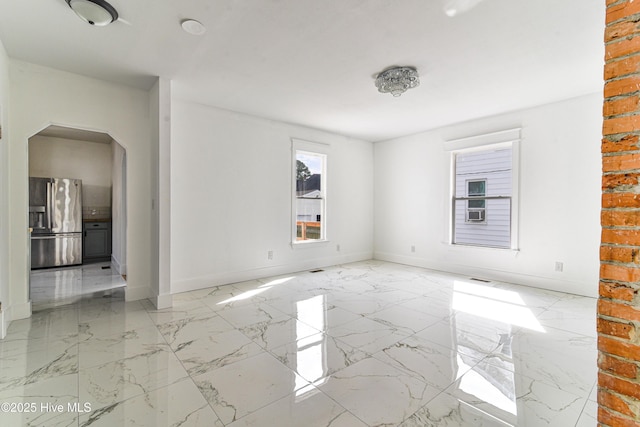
[{"x": 314, "y": 62}]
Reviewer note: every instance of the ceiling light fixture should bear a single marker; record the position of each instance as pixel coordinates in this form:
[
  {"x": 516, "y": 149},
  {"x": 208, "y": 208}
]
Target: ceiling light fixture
[
  {"x": 95, "y": 12},
  {"x": 194, "y": 27},
  {"x": 396, "y": 80}
]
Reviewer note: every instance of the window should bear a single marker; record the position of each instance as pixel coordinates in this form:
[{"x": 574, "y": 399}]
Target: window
[
  {"x": 309, "y": 193},
  {"x": 475, "y": 205},
  {"x": 482, "y": 201}
]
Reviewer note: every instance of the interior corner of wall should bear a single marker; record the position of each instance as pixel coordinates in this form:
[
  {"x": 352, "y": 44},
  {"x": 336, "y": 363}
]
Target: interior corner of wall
[
  {"x": 137, "y": 293},
  {"x": 117, "y": 266},
  {"x": 3, "y": 324},
  {"x": 19, "y": 311},
  {"x": 163, "y": 301}
]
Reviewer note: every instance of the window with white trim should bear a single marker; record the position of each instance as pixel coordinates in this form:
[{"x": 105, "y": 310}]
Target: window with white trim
[
  {"x": 483, "y": 197},
  {"x": 309, "y": 198},
  {"x": 476, "y": 205}
]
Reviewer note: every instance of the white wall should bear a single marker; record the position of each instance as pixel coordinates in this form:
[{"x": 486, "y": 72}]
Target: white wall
[
  {"x": 42, "y": 96},
  {"x": 66, "y": 158},
  {"x": 231, "y": 195},
  {"x": 160, "y": 116},
  {"x": 560, "y": 170},
  {"x": 4, "y": 193},
  {"x": 164, "y": 193},
  {"x": 119, "y": 209}
]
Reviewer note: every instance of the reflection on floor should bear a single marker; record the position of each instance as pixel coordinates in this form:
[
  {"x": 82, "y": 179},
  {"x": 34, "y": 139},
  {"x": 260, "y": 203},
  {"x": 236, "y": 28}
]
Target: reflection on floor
[
  {"x": 364, "y": 344},
  {"x": 52, "y": 287}
]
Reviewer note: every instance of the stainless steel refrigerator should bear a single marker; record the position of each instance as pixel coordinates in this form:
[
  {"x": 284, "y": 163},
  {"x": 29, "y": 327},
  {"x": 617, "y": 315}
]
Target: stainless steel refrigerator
[{"x": 55, "y": 215}]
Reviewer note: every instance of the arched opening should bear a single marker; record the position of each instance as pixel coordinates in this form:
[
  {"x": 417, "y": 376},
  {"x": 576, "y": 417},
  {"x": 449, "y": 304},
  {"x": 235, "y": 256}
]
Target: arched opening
[{"x": 77, "y": 216}]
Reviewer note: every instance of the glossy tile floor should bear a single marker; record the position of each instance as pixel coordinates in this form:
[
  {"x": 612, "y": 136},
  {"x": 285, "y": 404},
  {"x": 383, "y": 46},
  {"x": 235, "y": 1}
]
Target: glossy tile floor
[
  {"x": 52, "y": 287},
  {"x": 364, "y": 344}
]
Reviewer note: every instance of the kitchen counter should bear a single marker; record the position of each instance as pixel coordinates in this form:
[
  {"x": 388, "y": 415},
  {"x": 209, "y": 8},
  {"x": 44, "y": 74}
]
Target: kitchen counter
[{"x": 96, "y": 219}]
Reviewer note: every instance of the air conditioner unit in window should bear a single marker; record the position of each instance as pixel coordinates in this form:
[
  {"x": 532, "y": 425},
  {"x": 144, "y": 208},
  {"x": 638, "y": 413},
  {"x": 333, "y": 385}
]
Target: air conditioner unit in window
[{"x": 476, "y": 215}]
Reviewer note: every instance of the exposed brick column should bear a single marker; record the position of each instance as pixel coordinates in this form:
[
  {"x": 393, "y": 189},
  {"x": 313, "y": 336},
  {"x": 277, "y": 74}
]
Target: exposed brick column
[{"x": 619, "y": 303}]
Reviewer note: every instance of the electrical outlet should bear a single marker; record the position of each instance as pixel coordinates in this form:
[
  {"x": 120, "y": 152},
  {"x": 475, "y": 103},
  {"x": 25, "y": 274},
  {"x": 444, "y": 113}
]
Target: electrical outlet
[
  {"x": 270, "y": 255},
  {"x": 559, "y": 266},
  {"x": 413, "y": 248},
  {"x": 338, "y": 248}
]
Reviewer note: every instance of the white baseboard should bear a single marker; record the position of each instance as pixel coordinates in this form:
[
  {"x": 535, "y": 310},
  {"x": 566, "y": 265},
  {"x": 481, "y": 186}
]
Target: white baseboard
[
  {"x": 258, "y": 273},
  {"x": 162, "y": 301},
  {"x": 136, "y": 293},
  {"x": 20, "y": 311},
  {"x": 14, "y": 312},
  {"x": 119, "y": 267},
  {"x": 541, "y": 282}
]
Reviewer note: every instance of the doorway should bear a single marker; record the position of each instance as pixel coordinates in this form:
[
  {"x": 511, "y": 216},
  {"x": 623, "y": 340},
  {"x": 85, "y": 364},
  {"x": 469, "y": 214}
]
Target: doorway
[{"x": 98, "y": 163}]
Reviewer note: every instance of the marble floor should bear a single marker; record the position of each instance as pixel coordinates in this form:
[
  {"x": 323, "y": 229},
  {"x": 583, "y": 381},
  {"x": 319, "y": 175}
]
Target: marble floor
[
  {"x": 363, "y": 344},
  {"x": 52, "y": 287}
]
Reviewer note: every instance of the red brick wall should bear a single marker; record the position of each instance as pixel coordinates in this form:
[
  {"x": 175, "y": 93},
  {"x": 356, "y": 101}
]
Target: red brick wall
[{"x": 619, "y": 304}]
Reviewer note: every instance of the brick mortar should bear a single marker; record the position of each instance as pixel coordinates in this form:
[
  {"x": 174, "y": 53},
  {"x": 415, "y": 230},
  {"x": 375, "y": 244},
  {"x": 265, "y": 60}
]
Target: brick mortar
[
  {"x": 613, "y": 413},
  {"x": 620, "y": 264},
  {"x": 618, "y": 134},
  {"x": 622, "y": 173},
  {"x": 620, "y": 281},
  {"x": 617, "y": 282},
  {"x": 621, "y": 95},
  {"x": 615, "y": 3},
  {"x": 618, "y": 97},
  {"x": 614, "y": 375},
  {"x": 621, "y": 228},
  {"x": 631, "y": 18},
  {"x": 631, "y": 403},
  {"x": 614, "y": 138},
  {"x": 613, "y": 28},
  {"x": 613, "y": 59},
  {"x": 612, "y": 135},
  {"x": 617, "y": 319},
  {"x": 621, "y": 153},
  {"x": 613, "y": 281},
  {"x": 606, "y": 153},
  {"x": 620, "y": 116},
  {"x": 623, "y": 38},
  {"x": 622, "y": 359},
  {"x": 618, "y": 78},
  {"x": 620, "y": 245}
]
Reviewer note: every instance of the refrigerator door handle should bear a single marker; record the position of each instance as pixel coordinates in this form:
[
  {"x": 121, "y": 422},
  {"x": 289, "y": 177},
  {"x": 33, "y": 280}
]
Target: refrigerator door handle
[{"x": 49, "y": 206}]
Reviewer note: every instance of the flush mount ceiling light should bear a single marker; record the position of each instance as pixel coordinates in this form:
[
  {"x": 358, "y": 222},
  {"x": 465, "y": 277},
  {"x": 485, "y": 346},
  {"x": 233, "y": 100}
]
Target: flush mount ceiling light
[
  {"x": 194, "y": 27},
  {"x": 95, "y": 12},
  {"x": 396, "y": 80}
]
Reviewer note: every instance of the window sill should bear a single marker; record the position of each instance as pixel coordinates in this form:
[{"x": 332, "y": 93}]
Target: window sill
[
  {"x": 463, "y": 247},
  {"x": 306, "y": 244}
]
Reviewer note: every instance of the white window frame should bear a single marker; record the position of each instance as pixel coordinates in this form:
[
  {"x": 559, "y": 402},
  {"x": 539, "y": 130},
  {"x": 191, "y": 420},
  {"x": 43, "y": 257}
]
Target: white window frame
[
  {"x": 315, "y": 149},
  {"x": 469, "y": 209},
  {"x": 501, "y": 139}
]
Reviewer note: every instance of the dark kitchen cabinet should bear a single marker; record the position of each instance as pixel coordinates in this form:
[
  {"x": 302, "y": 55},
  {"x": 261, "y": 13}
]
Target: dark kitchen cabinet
[{"x": 97, "y": 241}]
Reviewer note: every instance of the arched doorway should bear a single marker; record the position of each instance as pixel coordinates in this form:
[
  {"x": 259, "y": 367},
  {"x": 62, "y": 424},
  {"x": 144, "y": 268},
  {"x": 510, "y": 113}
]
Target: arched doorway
[{"x": 87, "y": 259}]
